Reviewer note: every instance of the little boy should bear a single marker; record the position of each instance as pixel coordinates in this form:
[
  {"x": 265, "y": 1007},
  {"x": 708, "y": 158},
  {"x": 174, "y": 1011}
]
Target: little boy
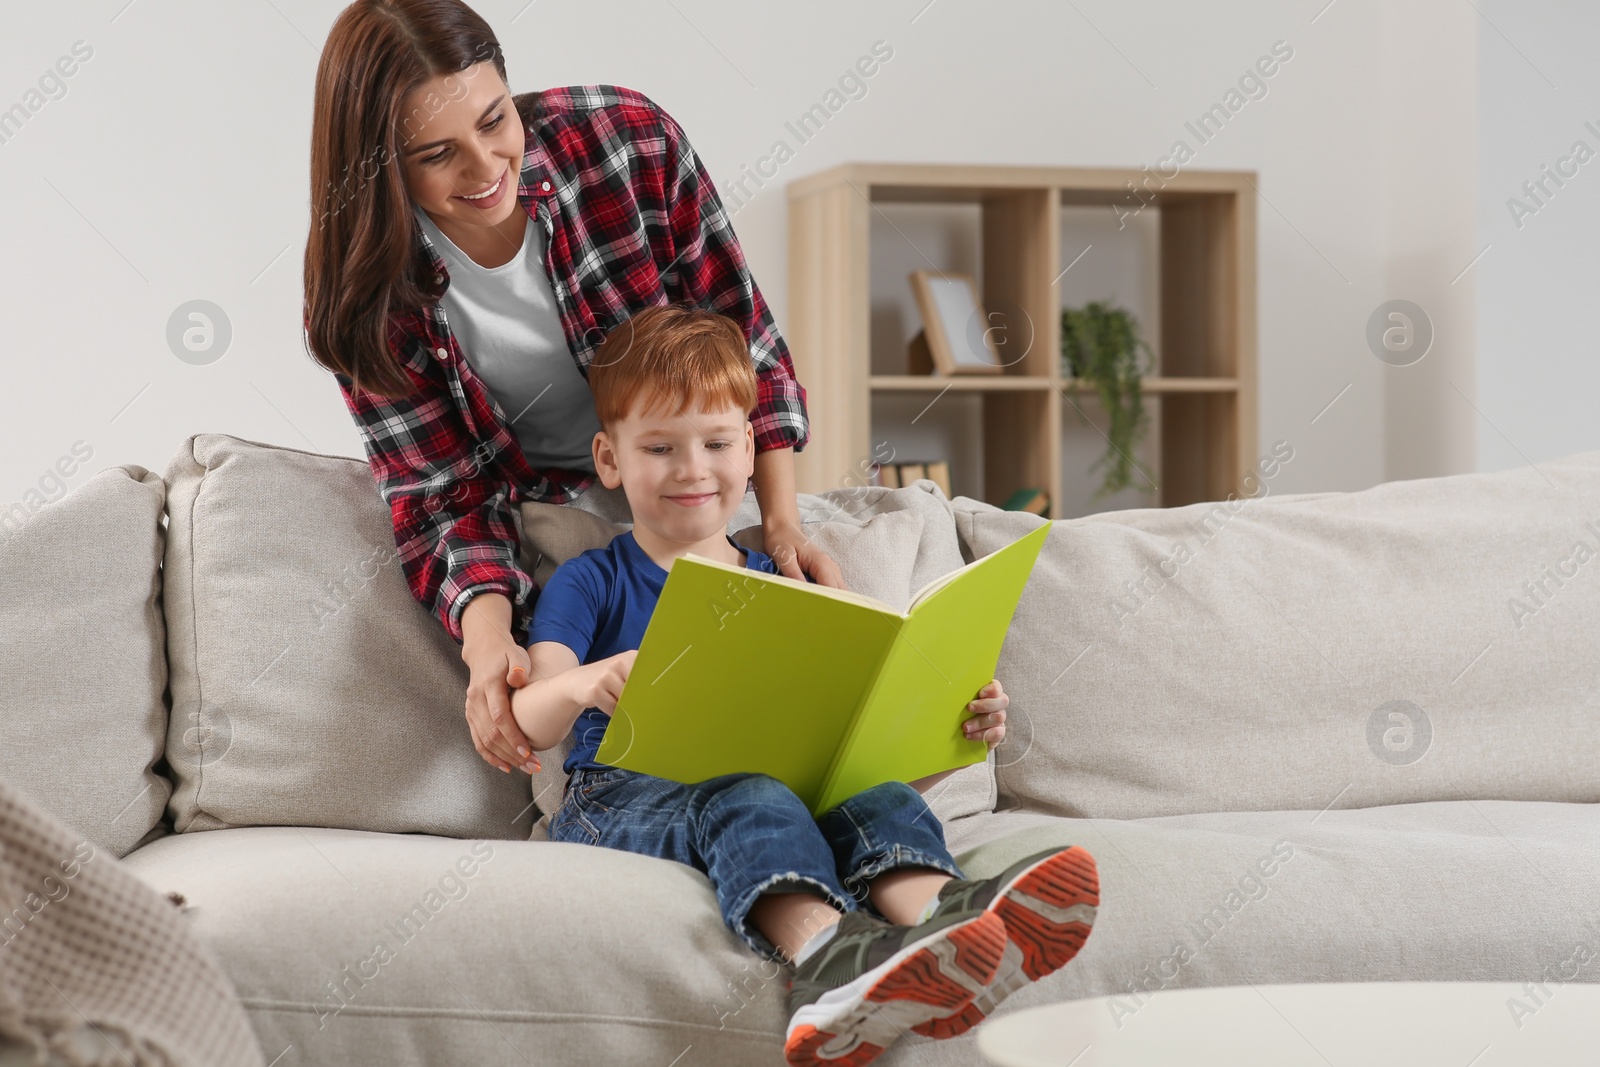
[{"x": 866, "y": 903}]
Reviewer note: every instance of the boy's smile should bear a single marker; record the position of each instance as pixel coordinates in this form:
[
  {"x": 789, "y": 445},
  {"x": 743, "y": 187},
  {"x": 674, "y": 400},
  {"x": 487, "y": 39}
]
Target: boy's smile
[{"x": 684, "y": 476}]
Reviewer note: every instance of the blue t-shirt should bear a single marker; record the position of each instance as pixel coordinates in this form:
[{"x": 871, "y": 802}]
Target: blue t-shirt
[{"x": 598, "y": 604}]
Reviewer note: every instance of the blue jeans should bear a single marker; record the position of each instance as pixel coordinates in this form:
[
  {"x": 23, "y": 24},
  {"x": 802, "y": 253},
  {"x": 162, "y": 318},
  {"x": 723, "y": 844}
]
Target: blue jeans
[{"x": 749, "y": 834}]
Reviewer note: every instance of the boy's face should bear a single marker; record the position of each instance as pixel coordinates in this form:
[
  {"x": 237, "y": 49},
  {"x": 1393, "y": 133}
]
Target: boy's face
[{"x": 684, "y": 475}]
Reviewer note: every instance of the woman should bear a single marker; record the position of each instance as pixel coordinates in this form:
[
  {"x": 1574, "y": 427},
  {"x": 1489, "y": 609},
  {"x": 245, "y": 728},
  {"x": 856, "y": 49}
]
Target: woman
[{"x": 469, "y": 252}]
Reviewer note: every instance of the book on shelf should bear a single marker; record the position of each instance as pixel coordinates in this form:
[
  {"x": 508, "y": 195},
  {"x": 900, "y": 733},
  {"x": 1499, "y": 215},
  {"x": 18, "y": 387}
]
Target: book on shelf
[
  {"x": 827, "y": 690},
  {"x": 1033, "y": 500},
  {"x": 896, "y": 475}
]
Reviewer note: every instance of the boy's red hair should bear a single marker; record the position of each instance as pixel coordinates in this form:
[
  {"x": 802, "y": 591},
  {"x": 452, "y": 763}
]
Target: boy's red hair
[{"x": 675, "y": 357}]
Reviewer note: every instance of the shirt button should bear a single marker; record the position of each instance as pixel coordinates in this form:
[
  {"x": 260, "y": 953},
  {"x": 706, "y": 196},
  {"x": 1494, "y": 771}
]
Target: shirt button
[
  {"x": 547, "y": 187},
  {"x": 438, "y": 278},
  {"x": 441, "y": 353}
]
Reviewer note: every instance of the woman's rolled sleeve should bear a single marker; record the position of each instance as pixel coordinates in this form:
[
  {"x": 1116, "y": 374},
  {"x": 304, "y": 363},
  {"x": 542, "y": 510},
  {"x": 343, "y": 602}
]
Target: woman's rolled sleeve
[
  {"x": 708, "y": 269},
  {"x": 453, "y": 519}
]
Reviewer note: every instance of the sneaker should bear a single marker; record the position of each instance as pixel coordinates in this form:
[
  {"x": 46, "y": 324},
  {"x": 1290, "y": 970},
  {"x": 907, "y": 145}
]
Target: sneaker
[
  {"x": 872, "y": 981},
  {"x": 1047, "y": 902}
]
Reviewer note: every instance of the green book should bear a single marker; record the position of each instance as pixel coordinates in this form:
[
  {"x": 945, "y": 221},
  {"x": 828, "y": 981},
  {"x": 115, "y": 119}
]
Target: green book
[{"x": 828, "y": 691}]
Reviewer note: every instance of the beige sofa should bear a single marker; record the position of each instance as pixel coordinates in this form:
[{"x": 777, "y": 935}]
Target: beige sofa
[{"x": 1324, "y": 737}]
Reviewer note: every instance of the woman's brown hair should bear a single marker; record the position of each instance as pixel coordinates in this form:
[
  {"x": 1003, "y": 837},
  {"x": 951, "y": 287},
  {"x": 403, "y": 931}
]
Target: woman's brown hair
[{"x": 363, "y": 262}]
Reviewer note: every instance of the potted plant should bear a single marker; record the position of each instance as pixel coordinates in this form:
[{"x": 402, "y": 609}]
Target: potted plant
[{"x": 1101, "y": 344}]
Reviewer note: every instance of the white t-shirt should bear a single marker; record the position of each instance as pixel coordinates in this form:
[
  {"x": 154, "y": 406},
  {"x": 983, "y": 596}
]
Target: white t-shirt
[{"x": 509, "y": 328}]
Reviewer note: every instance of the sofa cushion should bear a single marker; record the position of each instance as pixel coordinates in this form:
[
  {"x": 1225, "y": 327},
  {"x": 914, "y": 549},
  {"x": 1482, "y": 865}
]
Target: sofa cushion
[
  {"x": 413, "y": 950},
  {"x": 82, "y": 710},
  {"x": 409, "y": 950},
  {"x": 1421, "y": 640},
  {"x": 1439, "y": 892},
  {"x": 355, "y": 947},
  {"x": 888, "y": 544},
  {"x": 321, "y": 692}
]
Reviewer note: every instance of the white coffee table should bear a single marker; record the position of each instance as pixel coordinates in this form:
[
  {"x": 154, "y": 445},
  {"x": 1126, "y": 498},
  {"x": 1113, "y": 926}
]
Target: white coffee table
[{"x": 1363, "y": 1024}]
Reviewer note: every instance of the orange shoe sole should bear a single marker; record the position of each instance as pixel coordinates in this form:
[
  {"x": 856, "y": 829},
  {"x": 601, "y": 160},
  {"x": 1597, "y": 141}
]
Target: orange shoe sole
[
  {"x": 1047, "y": 912},
  {"x": 851, "y": 1027}
]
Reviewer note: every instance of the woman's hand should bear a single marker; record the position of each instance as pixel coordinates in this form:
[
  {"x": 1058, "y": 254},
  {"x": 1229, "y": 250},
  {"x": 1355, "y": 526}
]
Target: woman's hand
[
  {"x": 989, "y": 722},
  {"x": 496, "y": 664},
  {"x": 797, "y": 555}
]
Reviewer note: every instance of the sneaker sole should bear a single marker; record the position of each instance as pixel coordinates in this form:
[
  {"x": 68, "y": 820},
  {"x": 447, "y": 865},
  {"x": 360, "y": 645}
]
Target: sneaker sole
[
  {"x": 924, "y": 981},
  {"x": 1047, "y": 912}
]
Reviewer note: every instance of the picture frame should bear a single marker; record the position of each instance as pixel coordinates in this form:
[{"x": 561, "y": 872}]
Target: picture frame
[{"x": 949, "y": 305}]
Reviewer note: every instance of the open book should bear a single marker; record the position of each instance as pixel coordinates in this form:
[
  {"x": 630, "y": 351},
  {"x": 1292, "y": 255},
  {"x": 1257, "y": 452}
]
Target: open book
[{"x": 828, "y": 691}]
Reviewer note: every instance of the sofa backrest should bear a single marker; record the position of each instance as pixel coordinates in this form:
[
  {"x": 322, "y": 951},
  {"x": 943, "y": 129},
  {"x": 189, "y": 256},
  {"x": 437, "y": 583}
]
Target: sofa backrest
[
  {"x": 326, "y": 694},
  {"x": 81, "y": 705},
  {"x": 1422, "y": 640}
]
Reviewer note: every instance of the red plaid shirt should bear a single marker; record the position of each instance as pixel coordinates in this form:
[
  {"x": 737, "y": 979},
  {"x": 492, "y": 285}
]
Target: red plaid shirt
[{"x": 633, "y": 220}]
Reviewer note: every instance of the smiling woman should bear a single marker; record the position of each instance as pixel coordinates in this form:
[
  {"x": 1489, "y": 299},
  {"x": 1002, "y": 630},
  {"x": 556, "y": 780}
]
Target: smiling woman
[{"x": 470, "y": 248}]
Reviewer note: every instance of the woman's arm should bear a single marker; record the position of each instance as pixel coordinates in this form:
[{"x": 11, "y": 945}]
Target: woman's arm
[
  {"x": 707, "y": 267},
  {"x": 785, "y": 541},
  {"x": 457, "y": 538},
  {"x": 495, "y": 662},
  {"x": 449, "y": 503}
]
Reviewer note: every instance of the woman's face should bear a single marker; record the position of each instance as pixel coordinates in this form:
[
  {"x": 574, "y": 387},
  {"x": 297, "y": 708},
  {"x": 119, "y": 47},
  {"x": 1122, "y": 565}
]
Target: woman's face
[{"x": 461, "y": 137}]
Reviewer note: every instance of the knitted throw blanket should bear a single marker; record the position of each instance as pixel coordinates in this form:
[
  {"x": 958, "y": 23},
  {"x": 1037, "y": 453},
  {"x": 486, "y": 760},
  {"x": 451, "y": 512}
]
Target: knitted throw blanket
[{"x": 87, "y": 948}]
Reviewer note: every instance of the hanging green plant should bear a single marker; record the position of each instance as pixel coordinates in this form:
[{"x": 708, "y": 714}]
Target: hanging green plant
[{"x": 1100, "y": 343}]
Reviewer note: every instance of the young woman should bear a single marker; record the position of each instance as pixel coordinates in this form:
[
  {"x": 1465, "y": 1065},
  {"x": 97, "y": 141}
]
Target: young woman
[{"x": 468, "y": 251}]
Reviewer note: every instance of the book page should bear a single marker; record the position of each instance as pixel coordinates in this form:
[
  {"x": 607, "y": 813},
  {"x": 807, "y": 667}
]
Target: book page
[
  {"x": 945, "y": 579},
  {"x": 826, "y": 590},
  {"x": 940, "y": 582}
]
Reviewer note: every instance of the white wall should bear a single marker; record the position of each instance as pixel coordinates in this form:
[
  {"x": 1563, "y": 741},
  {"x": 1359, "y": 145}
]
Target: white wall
[
  {"x": 174, "y": 168},
  {"x": 1537, "y": 369}
]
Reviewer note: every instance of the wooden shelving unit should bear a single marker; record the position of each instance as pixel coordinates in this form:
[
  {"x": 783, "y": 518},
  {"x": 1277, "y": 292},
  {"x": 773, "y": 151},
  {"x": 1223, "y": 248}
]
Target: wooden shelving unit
[{"x": 1206, "y": 350}]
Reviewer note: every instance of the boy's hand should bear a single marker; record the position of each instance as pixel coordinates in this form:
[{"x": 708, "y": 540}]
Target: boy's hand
[
  {"x": 989, "y": 720},
  {"x": 601, "y": 682}
]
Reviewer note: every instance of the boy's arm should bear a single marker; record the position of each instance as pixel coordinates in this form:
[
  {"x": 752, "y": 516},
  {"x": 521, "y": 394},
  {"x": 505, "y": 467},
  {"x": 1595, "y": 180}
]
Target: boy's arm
[
  {"x": 922, "y": 785},
  {"x": 566, "y": 617},
  {"x": 546, "y": 707}
]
